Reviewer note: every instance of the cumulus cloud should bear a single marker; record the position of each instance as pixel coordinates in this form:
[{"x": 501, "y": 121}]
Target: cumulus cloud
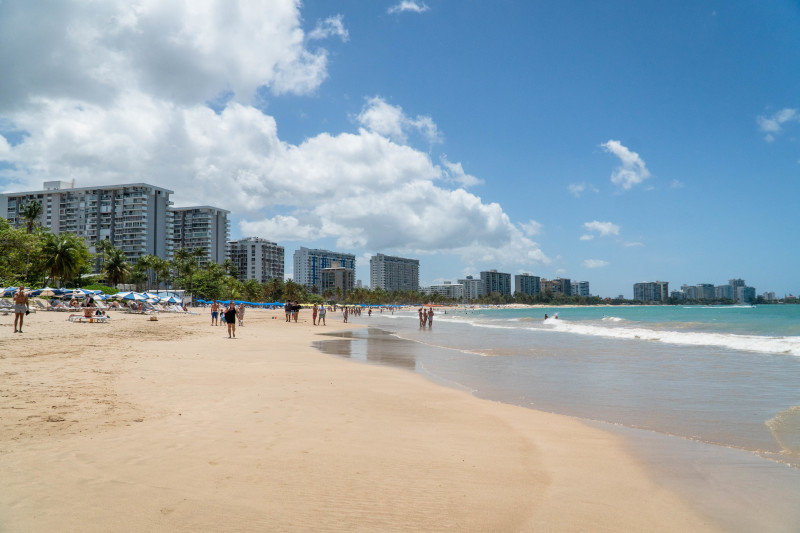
[
  {"x": 408, "y": 5},
  {"x": 105, "y": 120},
  {"x": 774, "y": 124},
  {"x": 603, "y": 229},
  {"x": 381, "y": 117},
  {"x": 455, "y": 173},
  {"x": 531, "y": 228},
  {"x": 330, "y": 27},
  {"x": 594, "y": 263},
  {"x": 179, "y": 51},
  {"x": 632, "y": 171},
  {"x": 577, "y": 189}
]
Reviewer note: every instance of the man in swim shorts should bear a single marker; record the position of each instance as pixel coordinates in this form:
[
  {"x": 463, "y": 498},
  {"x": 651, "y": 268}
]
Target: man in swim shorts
[
  {"x": 20, "y": 308},
  {"x": 214, "y": 313}
]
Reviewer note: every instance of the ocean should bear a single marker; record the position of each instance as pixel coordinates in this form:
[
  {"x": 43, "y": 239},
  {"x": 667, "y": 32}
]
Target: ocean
[{"x": 701, "y": 394}]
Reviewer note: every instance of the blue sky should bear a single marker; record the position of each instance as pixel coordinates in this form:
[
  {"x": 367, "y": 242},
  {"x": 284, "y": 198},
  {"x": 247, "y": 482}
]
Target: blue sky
[{"x": 612, "y": 142}]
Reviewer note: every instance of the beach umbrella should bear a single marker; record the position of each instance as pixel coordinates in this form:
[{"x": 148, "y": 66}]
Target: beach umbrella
[
  {"x": 172, "y": 300},
  {"x": 47, "y": 292},
  {"x": 151, "y": 296},
  {"x": 75, "y": 293},
  {"x": 130, "y": 296}
]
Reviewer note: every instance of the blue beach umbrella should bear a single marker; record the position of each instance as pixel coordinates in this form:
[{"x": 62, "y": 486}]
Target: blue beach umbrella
[{"x": 130, "y": 296}]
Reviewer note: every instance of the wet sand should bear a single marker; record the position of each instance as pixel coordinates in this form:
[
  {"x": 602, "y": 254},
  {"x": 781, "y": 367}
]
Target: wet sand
[{"x": 171, "y": 426}]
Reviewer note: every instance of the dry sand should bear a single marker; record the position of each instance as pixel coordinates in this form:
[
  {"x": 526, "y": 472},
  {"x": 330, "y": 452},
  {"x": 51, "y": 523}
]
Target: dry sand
[{"x": 171, "y": 426}]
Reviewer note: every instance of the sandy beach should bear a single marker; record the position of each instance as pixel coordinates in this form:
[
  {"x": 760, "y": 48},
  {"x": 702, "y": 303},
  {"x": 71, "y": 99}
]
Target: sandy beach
[{"x": 171, "y": 426}]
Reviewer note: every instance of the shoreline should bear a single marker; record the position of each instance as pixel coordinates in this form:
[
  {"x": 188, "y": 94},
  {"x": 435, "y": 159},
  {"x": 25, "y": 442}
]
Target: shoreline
[{"x": 170, "y": 426}]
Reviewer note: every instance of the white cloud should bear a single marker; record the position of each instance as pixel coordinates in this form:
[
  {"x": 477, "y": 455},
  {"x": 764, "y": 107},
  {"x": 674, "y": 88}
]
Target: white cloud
[
  {"x": 587, "y": 237},
  {"x": 183, "y": 52},
  {"x": 604, "y": 229},
  {"x": 594, "y": 263},
  {"x": 632, "y": 171},
  {"x": 330, "y": 27},
  {"x": 774, "y": 124},
  {"x": 676, "y": 184},
  {"x": 630, "y": 244},
  {"x": 390, "y": 121},
  {"x": 105, "y": 118},
  {"x": 531, "y": 228},
  {"x": 576, "y": 189},
  {"x": 408, "y": 5},
  {"x": 456, "y": 174}
]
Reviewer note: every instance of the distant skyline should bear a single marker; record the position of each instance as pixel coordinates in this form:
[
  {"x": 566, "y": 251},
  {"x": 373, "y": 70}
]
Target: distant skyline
[{"x": 613, "y": 142}]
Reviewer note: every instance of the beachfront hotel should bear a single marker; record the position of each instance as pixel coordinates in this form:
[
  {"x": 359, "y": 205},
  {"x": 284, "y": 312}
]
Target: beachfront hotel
[
  {"x": 446, "y": 289},
  {"x": 203, "y": 227},
  {"x": 494, "y": 281},
  {"x": 651, "y": 291},
  {"x": 557, "y": 286},
  {"x": 580, "y": 288},
  {"x": 392, "y": 273},
  {"x": 134, "y": 217},
  {"x": 256, "y": 258},
  {"x": 527, "y": 284},
  {"x": 473, "y": 288},
  {"x": 308, "y": 264},
  {"x": 337, "y": 276}
]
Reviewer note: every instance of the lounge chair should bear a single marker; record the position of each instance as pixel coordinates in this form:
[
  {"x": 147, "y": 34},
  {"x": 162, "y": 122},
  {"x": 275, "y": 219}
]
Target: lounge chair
[{"x": 91, "y": 319}]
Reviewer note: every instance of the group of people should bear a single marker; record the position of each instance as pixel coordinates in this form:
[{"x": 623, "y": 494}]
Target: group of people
[
  {"x": 425, "y": 317},
  {"x": 319, "y": 311},
  {"x": 227, "y": 316}
]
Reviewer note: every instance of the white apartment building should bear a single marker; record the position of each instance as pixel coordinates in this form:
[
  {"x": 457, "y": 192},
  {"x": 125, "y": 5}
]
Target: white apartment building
[
  {"x": 256, "y": 258},
  {"x": 203, "y": 227},
  {"x": 308, "y": 264},
  {"x": 473, "y": 288},
  {"x": 447, "y": 289},
  {"x": 392, "y": 273},
  {"x": 134, "y": 217},
  {"x": 580, "y": 288}
]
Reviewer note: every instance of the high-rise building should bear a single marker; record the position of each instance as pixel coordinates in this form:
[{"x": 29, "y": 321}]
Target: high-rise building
[
  {"x": 745, "y": 295},
  {"x": 557, "y": 286},
  {"x": 705, "y": 291},
  {"x": 651, "y": 291},
  {"x": 690, "y": 291},
  {"x": 256, "y": 258},
  {"x": 723, "y": 292},
  {"x": 337, "y": 276},
  {"x": 494, "y": 281},
  {"x": 392, "y": 273},
  {"x": 203, "y": 227},
  {"x": 527, "y": 284},
  {"x": 308, "y": 264},
  {"x": 473, "y": 288},
  {"x": 580, "y": 288},
  {"x": 446, "y": 289},
  {"x": 134, "y": 217}
]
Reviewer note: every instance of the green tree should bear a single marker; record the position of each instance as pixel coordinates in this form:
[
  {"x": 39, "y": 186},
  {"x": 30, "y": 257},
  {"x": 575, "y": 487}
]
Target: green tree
[
  {"x": 117, "y": 267},
  {"x": 64, "y": 255},
  {"x": 30, "y": 213},
  {"x": 20, "y": 255}
]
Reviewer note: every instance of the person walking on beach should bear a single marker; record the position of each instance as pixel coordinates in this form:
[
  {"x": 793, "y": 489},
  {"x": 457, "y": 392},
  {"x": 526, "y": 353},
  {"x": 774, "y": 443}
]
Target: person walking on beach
[
  {"x": 214, "y": 313},
  {"x": 240, "y": 314},
  {"x": 287, "y": 308},
  {"x": 430, "y": 317},
  {"x": 314, "y": 315},
  {"x": 230, "y": 319},
  {"x": 322, "y": 315},
  {"x": 422, "y": 318},
  {"x": 20, "y": 308},
  {"x": 344, "y": 313}
]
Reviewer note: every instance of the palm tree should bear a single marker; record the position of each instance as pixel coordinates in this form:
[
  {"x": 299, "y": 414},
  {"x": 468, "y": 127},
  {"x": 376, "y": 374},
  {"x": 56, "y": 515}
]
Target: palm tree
[
  {"x": 144, "y": 264},
  {"x": 117, "y": 267},
  {"x": 229, "y": 267},
  {"x": 30, "y": 213},
  {"x": 103, "y": 247},
  {"x": 160, "y": 269},
  {"x": 64, "y": 255}
]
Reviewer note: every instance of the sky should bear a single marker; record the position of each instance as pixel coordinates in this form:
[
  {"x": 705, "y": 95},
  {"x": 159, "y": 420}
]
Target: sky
[{"x": 613, "y": 142}]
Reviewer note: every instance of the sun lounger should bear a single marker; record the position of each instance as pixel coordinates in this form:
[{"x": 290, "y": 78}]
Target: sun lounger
[{"x": 91, "y": 319}]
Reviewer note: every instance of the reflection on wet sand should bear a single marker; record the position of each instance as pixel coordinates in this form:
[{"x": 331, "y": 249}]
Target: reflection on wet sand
[{"x": 371, "y": 345}]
